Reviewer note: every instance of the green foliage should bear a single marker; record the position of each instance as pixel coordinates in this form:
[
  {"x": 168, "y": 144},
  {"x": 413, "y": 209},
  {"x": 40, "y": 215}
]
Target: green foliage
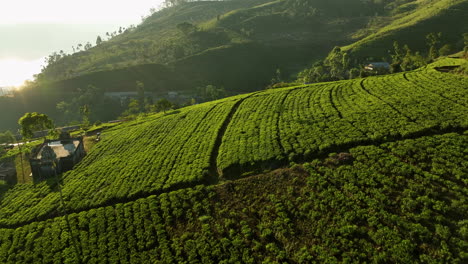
[
  {"x": 248, "y": 134},
  {"x": 7, "y": 137},
  {"x": 211, "y": 92},
  {"x": 186, "y": 28},
  {"x": 32, "y": 122},
  {"x": 433, "y": 40},
  {"x": 163, "y": 105},
  {"x": 399, "y": 202}
]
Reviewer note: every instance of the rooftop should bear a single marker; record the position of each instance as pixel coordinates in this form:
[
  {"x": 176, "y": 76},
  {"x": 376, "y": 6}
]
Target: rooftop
[{"x": 62, "y": 148}]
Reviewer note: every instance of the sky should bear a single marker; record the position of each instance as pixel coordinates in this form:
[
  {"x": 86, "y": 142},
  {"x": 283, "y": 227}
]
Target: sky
[{"x": 30, "y": 30}]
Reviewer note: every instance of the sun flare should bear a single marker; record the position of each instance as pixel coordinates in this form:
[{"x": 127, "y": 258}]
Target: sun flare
[{"x": 14, "y": 72}]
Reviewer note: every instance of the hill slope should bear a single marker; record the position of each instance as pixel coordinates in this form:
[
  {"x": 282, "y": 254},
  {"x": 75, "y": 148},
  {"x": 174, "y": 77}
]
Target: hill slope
[
  {"x": 158, "y": 188},
  {"x": 400, "y": 202},
  {"x": 208, "y": 42},
  {"x": 250, "y": 133},
  {"x": 411, "y": 23}
]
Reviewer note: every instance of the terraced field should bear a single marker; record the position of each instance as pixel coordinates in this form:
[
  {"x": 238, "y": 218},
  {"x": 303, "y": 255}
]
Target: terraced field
[
  {"x": 244, "y": 134},
  {"x": 141, "y": 178},
  {"x": 398, "y": 202}
]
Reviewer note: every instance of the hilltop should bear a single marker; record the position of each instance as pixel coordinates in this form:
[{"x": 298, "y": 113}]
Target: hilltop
[{"x": 382, "y": 178}]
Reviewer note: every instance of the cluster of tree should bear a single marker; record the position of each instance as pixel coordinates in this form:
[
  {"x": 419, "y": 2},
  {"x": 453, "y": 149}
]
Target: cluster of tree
[
  {"x": 338, "y": 65},
  {"x": 88, "y": 105},
  {"x": 211, "y": 92},
  {"x": 144, "y": 104},
  {"x": 465, "y": 43},
  {"x": 7, "y": 137}
]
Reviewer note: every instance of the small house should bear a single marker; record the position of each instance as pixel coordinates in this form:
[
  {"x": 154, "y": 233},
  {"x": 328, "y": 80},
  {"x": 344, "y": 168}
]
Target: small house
[
  {"x": 56, "y": 156},
  {"x": 377, "y": 66}
]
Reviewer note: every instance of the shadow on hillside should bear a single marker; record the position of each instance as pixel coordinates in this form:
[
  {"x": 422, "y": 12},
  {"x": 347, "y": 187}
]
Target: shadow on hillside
[
  {"x": 52, "y": 182},
  {"x": 8, "y": 178},
  {"x": 4, "y": 187},
  {"x": 173, "y": 112}
]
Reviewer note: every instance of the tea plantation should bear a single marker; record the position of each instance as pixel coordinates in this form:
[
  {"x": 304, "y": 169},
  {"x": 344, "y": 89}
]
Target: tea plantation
[{"x": 384, "y": 179}]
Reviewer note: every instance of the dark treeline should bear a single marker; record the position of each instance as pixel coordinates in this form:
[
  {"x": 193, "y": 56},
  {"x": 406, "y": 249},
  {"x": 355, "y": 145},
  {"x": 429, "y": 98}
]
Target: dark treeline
[{"x": 339, "y": 65}]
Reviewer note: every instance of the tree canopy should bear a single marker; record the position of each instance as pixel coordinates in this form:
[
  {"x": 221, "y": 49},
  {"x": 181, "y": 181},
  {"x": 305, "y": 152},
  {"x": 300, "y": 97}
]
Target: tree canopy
[{"x": 32, "y": 122}]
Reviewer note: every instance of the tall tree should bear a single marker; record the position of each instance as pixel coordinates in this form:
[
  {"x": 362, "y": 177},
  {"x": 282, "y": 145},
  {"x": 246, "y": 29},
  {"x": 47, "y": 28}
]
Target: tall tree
[
  {"x": 85, "y": 112},
  {"x": 7, "y": 137},
  {"x": 163, "y": 105},
  {"x": 98, "y": 40},
  {"x": 433, "y": 40},
  {"x": 32, "y": 122},
  {"x": 140, "y": 87}
]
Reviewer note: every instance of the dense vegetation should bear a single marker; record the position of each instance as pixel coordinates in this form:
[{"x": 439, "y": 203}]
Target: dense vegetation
[
  {"x": 399, "y": 202},
  {"x": 383, "y": 159},
  {"x": 246, "y": 134}
]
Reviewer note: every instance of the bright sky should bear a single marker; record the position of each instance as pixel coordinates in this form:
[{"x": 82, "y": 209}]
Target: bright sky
[{"x": 32, "y": 29}]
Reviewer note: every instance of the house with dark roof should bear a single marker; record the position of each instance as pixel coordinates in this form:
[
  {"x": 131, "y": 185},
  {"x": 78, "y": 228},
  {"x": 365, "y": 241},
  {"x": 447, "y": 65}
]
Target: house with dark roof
[{"x": 56, "y": 156}]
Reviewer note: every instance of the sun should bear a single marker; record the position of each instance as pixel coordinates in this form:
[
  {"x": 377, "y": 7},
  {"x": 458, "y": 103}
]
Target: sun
[{"x": 13, "y": 72}]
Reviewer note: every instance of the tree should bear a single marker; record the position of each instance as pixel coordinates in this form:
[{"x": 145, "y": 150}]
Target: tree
[
  {"x": 132, "y": 109},
  {"x": 32, "y": 122},
  {"x": 465, "y": 42},
  {"x": 186, "y": 28},
  {"x": 211, "y": 92},
  {"x": 85, "y": 112},
  {"x": 397, "y": 55},
  {"x": 163, "y": 105},
  {"x": 433, "y": 40},
  {"x": 277, "y": 77},
  {"x": 88, "y": 46},
  {"x": 337, "y": 61},
  {"x": 445, "y": 50},
  {"x": 140, "y": 87},
  {"x": 7, "y": 137},
  {"x": 98, "y": 40}
]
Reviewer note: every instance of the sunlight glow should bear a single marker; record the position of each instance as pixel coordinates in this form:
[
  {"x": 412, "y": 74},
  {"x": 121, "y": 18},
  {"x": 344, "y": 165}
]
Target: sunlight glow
[
  {"x": 24, "y": 40},
  {"x": 14, "y": 72},
  {"x": 82, "y": 12}
]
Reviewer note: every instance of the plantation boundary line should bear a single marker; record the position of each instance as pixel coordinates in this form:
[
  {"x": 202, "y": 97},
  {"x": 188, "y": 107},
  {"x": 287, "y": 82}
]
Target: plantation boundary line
[
  {"x": 406, "y": 78},
  {"x": 214, "y": 171},
  {"x": 332, "y": 102},
  {"x": 278, "y": 128},
  {"x": 385, "y": 102},
  {"x": 339, "y": 97},
  {"x": 185, "y": 143},
  {"x": 322, "y": 154}
]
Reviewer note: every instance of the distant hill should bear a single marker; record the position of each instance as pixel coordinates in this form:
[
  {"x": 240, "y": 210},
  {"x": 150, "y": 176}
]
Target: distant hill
[
  {"x": 384, "y": 178},
  {"x": 216, "y": 42},
  {"x": 409, "y": 24}
]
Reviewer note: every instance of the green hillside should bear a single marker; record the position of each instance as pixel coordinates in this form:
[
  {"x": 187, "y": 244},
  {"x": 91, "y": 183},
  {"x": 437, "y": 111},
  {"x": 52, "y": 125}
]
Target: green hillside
[
  {"x": 410, "y": 23},
  {"x": 252, "y": 38},
  {"x": 384, "y": 180}
]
